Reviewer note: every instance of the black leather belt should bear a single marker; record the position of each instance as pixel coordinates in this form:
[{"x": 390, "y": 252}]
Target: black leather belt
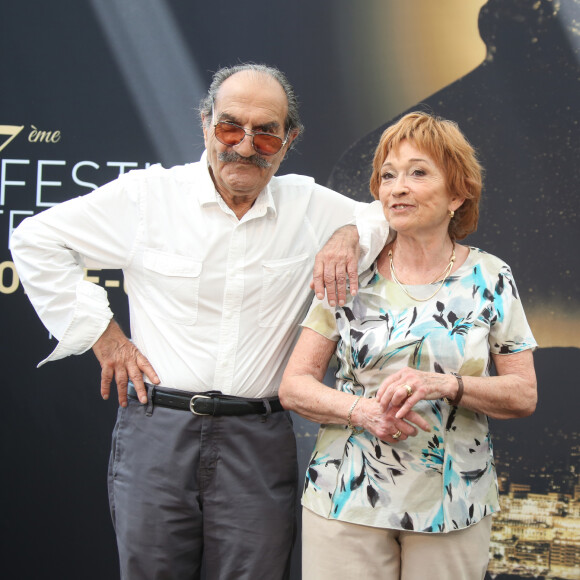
[{"x": 210, "y": 403}]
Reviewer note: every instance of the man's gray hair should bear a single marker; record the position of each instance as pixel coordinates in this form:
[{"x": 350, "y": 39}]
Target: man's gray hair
[{"x": 292, "y": 118}]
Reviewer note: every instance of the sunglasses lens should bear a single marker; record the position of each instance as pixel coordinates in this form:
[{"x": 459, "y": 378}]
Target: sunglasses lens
[
  {"x": 229, "y": 134},
  {"x": 267, "y": 144}
]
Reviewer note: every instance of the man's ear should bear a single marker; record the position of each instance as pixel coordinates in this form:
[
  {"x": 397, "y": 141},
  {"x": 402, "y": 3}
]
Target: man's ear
[
  {"x": 293, "y": 135},
  {"x": 204, "y": 128}
]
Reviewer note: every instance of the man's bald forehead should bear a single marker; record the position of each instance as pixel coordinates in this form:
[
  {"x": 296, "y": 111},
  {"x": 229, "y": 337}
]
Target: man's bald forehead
[{"x": 250, "y": 76}]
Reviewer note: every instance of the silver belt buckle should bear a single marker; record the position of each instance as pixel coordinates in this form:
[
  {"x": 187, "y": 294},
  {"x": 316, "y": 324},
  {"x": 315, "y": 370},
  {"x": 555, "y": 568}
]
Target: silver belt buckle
[{"x": 192, "y": 401}]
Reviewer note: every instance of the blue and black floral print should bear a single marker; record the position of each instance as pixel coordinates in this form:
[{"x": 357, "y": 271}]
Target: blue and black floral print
[{"x": 437, "y": 481}]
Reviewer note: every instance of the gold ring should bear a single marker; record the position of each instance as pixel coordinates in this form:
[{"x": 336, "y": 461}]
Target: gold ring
[
  {"x": 409, "y": 390},
  {"x": 397, "y": 434}
]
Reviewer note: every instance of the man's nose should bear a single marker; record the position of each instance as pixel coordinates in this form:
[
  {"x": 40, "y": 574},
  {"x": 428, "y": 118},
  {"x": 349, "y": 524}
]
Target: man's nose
[{"x": 246, "y": 146}]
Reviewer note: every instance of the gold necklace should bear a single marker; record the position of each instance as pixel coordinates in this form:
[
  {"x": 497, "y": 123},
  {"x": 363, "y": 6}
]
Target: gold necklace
[{"x": 445, "y": 274}]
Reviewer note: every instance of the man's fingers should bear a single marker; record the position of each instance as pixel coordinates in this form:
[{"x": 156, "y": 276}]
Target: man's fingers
[
  {"x": 135, "y": 369},
  {"x": 139, "y": 385},
  {"x": 151, "y": 375},
  {"x": 121, "y": 360},
  {"x": 122, "y": 379},
  {"x": 352, "y": 273},
  {"x": 330, "y": 285},
  {"x": 317, "y": 283},
  {"x": 147, "y": 369},
  {"x": 122, "y": 395},
  {"x": 336, "y": 263},
  {"x": 340, "y": 283},
  {"x": 106, "y": 379},
  {"x": 105, "y": 390}
]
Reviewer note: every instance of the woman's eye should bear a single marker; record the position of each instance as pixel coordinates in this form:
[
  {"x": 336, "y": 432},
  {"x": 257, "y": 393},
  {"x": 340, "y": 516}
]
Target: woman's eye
[
  {"x": 418, "y": 172},
  {"x": 387, "y": 175}
]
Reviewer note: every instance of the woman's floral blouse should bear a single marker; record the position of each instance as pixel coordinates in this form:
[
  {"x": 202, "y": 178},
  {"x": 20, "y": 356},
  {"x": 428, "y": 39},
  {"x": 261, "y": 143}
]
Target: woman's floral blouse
[{"x": 438, "y": 481}]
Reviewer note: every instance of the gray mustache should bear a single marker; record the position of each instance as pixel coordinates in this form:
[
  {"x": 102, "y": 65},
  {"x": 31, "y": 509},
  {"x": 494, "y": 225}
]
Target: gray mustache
[{"x": 233, "y": 157}]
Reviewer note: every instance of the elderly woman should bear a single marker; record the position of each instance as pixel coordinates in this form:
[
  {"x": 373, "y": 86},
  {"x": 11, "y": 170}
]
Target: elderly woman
[{"x": 402, "y": 482}]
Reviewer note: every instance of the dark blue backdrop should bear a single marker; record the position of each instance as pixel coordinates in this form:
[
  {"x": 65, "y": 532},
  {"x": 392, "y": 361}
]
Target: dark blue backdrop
[{"x": 97, "y": 87}]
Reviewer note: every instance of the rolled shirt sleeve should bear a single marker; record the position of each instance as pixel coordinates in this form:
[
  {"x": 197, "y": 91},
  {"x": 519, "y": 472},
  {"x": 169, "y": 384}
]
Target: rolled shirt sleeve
[
  {"x": 51, "y": 251},
  {"x": 373, "y": 231}
]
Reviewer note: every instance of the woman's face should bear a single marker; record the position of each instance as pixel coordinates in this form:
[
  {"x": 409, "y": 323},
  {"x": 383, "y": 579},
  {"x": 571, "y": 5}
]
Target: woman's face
[{"x": 413, "y": 191}]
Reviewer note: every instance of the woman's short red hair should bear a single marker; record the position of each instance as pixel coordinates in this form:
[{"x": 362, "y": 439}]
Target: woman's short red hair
[{"x": 444, "y": 142}]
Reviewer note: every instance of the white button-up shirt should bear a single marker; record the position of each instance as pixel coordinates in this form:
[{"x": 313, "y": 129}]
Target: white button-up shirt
[{"x": 214, "y": 301}]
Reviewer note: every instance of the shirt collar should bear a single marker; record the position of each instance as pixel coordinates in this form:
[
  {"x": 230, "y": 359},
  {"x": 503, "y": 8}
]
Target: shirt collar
[{"x": 209, "y": 195}]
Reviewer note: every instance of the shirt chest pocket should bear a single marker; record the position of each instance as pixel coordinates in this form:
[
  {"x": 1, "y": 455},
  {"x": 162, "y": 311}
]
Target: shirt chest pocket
[
  {"x": 172, "y": 284},
  {"x": 284, "y": 290}
]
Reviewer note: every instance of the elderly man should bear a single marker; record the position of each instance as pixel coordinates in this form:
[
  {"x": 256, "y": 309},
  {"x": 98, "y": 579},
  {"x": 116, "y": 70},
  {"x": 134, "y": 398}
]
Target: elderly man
[{"x": 217, "y": 256}]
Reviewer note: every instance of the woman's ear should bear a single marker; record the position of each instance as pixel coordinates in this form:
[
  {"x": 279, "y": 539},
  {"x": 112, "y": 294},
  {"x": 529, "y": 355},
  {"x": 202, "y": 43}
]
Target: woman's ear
[{"x": 455, "y": 203}]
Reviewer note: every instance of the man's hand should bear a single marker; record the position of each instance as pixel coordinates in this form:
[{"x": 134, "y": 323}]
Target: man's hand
[
  {"x": 337, "y": 261},
  {"x": 120, "y": 359}
]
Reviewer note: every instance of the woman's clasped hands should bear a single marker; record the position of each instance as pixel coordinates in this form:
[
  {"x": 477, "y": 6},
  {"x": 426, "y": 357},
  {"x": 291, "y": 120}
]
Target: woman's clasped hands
[{"x": 393, "y": 419}]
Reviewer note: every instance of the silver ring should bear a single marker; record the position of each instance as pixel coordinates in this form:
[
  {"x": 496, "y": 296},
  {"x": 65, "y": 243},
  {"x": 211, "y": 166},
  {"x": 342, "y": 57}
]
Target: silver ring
[{"x": 397, "y": 434}]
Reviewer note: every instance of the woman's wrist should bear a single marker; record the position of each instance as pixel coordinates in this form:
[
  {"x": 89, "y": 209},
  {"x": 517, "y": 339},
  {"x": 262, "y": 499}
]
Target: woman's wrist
[
  {"x": 455, "y": 399},
  {"x": 354, "y": 416}
]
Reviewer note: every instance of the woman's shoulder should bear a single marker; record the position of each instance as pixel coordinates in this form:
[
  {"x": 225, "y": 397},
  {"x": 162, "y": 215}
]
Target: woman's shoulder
[{"x": 486, "y": 261}]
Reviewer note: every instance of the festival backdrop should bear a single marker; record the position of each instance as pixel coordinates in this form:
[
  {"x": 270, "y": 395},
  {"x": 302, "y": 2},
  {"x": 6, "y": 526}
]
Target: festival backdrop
[{"x": 95, "y": 88}]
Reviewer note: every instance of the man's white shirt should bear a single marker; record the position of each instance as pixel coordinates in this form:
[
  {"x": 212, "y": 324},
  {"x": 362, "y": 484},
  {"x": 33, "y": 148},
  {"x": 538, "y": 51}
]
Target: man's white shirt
[{"x": 215, "y": 302}]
